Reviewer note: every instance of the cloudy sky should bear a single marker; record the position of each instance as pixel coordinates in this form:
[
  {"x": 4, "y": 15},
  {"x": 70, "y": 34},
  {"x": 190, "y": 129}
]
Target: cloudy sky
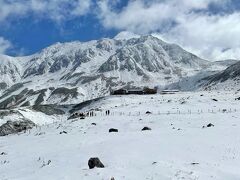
[{"x": 208, "y": 28}]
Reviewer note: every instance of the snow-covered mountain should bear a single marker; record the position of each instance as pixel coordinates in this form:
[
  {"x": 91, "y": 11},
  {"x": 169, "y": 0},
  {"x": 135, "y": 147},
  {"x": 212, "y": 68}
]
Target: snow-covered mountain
[
  {"x": 77, "y": 71},
  {"x": 228, "y": 79}
]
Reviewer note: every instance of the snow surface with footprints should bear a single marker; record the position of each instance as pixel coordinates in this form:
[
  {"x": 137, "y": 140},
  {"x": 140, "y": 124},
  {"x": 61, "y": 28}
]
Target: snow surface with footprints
[{"x": 177, "y": 147}]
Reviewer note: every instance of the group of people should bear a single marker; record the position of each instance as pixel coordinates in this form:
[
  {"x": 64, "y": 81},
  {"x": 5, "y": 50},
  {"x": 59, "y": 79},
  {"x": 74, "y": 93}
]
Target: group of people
[
  {"x": 107, "y": 112},
  {"x": 83, "y": 115},
  {"x": 87, "y": 114},
  {"x": 90, "y": 114}
]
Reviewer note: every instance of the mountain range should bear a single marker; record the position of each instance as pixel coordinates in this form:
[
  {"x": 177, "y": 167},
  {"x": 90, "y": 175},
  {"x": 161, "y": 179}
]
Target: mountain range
[{"x": 68, "y": 73}]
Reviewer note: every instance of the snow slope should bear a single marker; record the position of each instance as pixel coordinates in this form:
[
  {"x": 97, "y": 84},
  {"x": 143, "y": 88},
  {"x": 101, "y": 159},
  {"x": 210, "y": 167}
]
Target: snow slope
[
  {"x": 228, "y": 79},
  {"x": 177, "y": 147}
]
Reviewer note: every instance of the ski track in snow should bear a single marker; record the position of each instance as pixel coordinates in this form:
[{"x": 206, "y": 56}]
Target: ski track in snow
[{"x": 176, "y": 148}]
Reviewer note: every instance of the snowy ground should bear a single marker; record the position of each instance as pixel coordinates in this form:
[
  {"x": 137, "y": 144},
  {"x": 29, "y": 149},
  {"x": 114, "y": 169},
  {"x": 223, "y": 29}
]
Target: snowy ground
[{"x": 177, "y": 147}]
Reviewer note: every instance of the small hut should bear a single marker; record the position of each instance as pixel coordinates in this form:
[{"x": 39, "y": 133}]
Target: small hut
[{"x": 150, "y": 91}]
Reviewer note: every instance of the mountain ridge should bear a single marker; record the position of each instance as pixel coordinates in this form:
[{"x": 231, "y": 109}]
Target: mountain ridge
[{"x": 78, "y": 71}]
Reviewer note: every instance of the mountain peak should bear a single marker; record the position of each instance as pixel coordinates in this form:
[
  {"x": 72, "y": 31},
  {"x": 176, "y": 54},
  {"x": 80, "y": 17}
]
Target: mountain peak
[{"x": 125, "y": 35}]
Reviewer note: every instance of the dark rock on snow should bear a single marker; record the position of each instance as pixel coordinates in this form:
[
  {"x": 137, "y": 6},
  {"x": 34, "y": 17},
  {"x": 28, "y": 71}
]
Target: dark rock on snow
[
  {"x": 194, "y": 163},
  {"x": 95, "y": 162},
  {"x": 210, "y": 125},
  {"x": 146, "y": 129},
  {"x": 148, "y": 112},
  {"x": 63, "y": 132},
  {"x": 3, "y": 153},
  {"x": 113, "y": 130}
]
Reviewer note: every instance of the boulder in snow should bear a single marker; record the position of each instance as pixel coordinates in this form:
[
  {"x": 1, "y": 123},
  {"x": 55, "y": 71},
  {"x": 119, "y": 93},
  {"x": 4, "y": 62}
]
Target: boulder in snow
[
  {"x": 3, "y": 153},
  {"x": 237, "y": 98},
  {"x": 210, "y": 125},
  {"x": 148, "y": 112},
  {"x": 146, "y": 129},
  {"x": 95, "y": 162},
  {"x": 113, "y": 130}
]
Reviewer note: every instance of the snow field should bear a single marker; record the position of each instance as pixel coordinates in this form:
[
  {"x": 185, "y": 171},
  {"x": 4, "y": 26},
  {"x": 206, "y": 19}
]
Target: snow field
[{"x": 177, "y": 147}]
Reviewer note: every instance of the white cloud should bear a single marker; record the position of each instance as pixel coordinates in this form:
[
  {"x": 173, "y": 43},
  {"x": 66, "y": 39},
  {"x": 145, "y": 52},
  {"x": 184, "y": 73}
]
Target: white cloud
[
  {"x": 186, "y": 22},
  {"x": 81, "y": 7},
  {"x": 57, "y": 10},
  {"x": 146, "y": 16},
  {"x": 212, "y": 37},
  {"x": 136, "y": 17},
  {"x": 4, "y": 45}
]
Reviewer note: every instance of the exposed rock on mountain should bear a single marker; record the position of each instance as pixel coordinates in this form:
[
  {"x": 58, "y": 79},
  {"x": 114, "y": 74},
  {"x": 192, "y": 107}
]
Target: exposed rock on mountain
[{"x": 13, "y": 127}]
